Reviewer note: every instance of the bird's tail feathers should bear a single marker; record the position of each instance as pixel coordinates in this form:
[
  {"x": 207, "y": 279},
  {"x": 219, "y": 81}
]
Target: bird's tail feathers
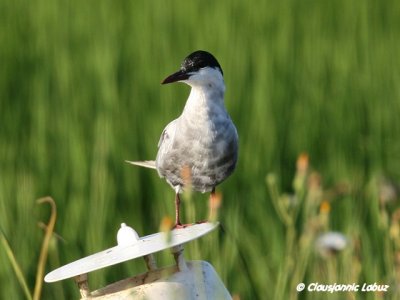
[{"x": 151, "y": 164}]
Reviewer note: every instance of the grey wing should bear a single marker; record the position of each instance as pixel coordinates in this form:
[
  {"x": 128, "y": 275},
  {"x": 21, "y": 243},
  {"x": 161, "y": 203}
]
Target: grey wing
[
  {"x": 165, "y": 149},
  {"x": 167, "y": 136},
  {"x": 165, "y": 146}
]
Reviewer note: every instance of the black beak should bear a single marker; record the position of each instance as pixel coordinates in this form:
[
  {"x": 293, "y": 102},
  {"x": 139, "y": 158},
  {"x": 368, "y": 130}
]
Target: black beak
[{"x": 177, "y": 76}]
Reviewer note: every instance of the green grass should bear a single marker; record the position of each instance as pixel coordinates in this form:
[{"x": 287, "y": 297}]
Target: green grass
[{"x": 80, "y": 93}]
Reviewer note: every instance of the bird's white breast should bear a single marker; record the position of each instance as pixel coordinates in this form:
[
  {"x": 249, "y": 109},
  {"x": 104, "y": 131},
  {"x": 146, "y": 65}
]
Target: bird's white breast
[{"x": 203, "y": 138}]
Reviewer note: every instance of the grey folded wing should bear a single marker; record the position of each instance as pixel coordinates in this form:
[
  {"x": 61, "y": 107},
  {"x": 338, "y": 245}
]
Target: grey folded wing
[{"x": 163, "y": 145}]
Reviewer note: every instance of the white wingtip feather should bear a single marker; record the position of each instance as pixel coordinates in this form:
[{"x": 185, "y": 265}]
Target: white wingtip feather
[{"x": 151, "y": 164}]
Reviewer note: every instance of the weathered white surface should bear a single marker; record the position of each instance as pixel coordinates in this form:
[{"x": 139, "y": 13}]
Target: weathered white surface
[
  {"x": 144, "y": 246},
  {"x": 198, "y": 281}
]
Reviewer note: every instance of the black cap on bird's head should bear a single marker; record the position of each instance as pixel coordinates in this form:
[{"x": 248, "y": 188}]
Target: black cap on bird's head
[{"x": 191, "y": 64}]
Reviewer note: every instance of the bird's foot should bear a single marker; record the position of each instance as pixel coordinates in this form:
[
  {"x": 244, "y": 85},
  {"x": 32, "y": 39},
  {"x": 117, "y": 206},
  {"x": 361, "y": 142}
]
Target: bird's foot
[
  {"x": 182, "y": 226},
  {"x": 179, "y": 226}
]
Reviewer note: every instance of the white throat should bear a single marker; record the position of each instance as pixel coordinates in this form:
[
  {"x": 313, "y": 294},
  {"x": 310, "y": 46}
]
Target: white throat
[{"x": 207, "y": 93}]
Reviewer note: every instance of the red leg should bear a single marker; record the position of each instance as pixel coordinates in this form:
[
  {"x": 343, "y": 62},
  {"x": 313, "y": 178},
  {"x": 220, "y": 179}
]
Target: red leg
[
  {"x": 178, "y": 224},
  {"x": 177, "y": 213},
  {"x": 212, "y": 205}
]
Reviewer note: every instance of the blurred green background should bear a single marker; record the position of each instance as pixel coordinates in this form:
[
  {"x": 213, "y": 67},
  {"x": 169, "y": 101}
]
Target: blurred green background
[{"x": 80, "y": 93}]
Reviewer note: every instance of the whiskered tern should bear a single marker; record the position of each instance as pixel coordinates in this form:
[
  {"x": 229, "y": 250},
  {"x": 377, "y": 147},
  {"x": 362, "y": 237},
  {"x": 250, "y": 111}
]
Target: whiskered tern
[{"x": 203, "y": 140}]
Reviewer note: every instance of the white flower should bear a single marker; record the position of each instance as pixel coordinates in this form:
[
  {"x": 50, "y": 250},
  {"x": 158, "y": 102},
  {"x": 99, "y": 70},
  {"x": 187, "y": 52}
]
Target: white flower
[{"x": 331, "y": 243}]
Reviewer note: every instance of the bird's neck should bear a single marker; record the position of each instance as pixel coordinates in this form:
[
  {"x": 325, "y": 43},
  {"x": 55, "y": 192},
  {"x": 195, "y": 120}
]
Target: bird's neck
[{"x": 205, "y": 99}]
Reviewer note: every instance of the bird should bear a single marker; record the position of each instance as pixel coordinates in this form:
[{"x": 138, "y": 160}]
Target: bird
[{"x": 202, "y": 143}]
